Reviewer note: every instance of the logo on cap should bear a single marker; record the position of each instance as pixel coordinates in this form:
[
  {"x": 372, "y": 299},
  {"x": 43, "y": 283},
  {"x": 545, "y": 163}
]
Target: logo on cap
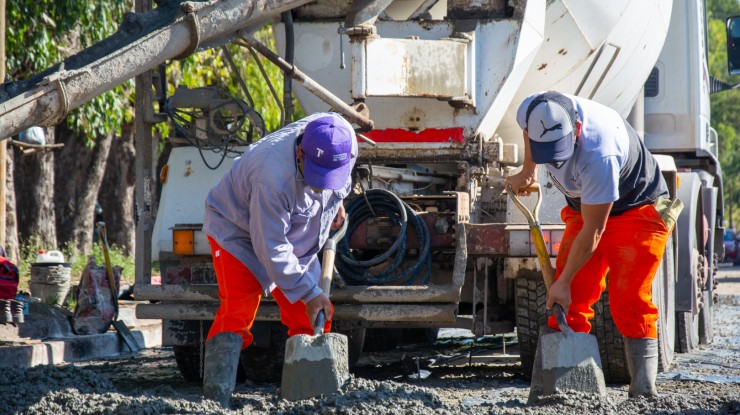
[{"x": 558, "y": 126}]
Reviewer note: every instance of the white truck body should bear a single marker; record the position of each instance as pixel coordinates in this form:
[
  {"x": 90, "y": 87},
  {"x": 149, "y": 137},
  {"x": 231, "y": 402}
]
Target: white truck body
[{"x": 442, "y": 81}]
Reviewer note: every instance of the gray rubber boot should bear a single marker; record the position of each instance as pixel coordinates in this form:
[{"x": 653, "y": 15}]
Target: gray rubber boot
[
  {"x": 219, "y": 367},
  {"x": 642, "y": 363}
]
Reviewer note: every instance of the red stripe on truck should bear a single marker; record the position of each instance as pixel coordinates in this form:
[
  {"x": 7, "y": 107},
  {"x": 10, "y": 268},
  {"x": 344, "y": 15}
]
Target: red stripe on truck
[{"x": 430, "y": 135}]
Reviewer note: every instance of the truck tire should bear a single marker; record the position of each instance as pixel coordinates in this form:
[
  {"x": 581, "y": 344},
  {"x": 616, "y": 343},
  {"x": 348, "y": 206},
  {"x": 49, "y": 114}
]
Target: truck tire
[
  {"x": 355, "y": 343},
  {"x": 188, "y": 359},
  {"x": 687, "y": 331},
  {"x": 264, "y": 363},
  {"x": 420, "y": 336},
  {"x": 530, "y": 316},
  {"x": 382, "y": 340},
  {"x": 706, "y": 326},
  {"x": 687, "y": 322},
  {"x": 664, "y": 297}
]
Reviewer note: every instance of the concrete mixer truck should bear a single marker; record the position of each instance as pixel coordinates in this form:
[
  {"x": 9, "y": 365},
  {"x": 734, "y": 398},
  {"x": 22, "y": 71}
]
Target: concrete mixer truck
[{"x": 441, "y": 81}]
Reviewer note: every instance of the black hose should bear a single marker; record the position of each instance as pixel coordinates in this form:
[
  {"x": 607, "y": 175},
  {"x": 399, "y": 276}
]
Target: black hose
[{"x": 374, "y": 203}]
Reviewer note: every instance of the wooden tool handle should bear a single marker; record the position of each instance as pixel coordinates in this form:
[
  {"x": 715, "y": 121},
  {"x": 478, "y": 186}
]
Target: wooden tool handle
[
  {"x": 108, "y": 268},
  {"x": 327, "y": 270}
]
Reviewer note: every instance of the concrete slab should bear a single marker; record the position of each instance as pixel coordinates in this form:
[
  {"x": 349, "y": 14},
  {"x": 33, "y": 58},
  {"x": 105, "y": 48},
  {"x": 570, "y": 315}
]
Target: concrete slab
[{"x": 46, "y": 337}]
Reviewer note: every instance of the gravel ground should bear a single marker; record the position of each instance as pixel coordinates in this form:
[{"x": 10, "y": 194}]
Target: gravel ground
[{"x": 456, "y": 376}]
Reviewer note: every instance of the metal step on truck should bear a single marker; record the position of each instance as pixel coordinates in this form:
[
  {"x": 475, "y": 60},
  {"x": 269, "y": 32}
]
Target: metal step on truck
[{"x": 442, "y": 81}]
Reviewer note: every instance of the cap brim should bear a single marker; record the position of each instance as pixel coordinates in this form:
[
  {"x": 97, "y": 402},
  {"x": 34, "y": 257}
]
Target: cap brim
[
  {"x": 323, "y": 177},
  {"x": 558, "y": 150}
]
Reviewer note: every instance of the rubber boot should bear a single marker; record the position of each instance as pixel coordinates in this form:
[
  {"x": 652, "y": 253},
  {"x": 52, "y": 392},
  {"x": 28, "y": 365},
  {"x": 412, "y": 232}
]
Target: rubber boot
[
  {"x": 219, "y": 367},
  {"x": 642, "y": 363}
]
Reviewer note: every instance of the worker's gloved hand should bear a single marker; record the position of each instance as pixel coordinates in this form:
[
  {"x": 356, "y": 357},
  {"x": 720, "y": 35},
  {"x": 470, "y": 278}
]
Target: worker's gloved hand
[
  {"x": 318, "y": 303},
  {"x": 559, "y": 293}
]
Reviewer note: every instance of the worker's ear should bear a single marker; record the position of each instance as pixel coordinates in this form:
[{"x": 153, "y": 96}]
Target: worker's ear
[
  {"x": 578, "y": 129},
  {"x": 299, "y": 152}
]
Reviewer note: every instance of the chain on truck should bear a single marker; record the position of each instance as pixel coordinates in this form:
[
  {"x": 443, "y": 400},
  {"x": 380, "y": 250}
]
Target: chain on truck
[{"x": 442, "y": 81}]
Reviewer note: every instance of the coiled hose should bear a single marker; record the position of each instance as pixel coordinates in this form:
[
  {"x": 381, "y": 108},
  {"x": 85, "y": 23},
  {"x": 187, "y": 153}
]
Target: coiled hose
[{"x": 374, "y": 203}]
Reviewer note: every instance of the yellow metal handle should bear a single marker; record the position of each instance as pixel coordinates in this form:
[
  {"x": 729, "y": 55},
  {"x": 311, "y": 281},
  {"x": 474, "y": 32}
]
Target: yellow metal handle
[{"x": 548, "y": 272}]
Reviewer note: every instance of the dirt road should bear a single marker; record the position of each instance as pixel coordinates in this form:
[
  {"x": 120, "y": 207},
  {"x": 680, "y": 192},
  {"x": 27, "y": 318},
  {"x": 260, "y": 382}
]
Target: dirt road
[{"x": 457, "y": 375}]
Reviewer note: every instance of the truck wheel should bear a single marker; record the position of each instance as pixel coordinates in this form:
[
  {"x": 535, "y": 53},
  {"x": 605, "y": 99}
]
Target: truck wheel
[
  {"x": 706, "y": 326},
  {"x": 664, "y": 297},
  {"x": 264, "y": 363},
  {"x": 611, "y": 345},
  {"x": 687, "y": 322},
  {"x": 687, "y": 331},
  {"x": 530, "y": 316},
  {"x": 382, "y": 340},
  {"x": 355, "y": 343},
  {"x": 420, "y": 336},
  {"x": 189, "y": 361}
]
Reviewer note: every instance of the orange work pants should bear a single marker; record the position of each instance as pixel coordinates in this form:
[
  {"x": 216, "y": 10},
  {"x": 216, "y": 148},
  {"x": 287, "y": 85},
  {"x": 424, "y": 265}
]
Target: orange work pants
[
  {"x": 240, "y": 294},
  {"x": 630, "y": 250}
]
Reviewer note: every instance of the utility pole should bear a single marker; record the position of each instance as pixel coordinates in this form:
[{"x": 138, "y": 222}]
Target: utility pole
[{"x": 3, "y": 143}]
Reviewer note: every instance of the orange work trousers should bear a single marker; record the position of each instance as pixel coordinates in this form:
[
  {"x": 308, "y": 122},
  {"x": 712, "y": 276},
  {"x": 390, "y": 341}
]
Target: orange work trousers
[
  {"x": 240, "y": 294},
  {"x": 630, "y": 250}
]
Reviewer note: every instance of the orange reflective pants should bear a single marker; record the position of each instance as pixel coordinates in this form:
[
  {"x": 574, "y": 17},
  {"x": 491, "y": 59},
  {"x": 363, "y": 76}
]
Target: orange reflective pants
[
  {"x": 240, "y": 294},
  {"x": 630, "y": 250}
]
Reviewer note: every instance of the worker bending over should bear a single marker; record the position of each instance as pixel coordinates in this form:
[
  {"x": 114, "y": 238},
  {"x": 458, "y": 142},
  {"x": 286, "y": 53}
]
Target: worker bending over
[
  {"x": 266, "y": 221},
  {"x": 611, "y": 183}
]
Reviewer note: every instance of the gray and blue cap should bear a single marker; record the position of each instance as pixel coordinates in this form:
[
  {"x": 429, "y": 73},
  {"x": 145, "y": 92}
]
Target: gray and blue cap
[{"x": 551, "y": 119}]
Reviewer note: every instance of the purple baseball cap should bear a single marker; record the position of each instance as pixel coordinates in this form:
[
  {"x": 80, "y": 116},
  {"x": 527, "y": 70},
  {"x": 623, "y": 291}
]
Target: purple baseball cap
[{"x": 327, "y": 150}]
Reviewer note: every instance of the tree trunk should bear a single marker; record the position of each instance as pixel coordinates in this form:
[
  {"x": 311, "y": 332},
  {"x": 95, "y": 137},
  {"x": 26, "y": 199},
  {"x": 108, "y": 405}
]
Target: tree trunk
[
  {"x": 34, "y": 179},
  {"x": 80, "y": 170},
  {"x": 12, "y": 247},
  {"x": 116, "y": 195}
]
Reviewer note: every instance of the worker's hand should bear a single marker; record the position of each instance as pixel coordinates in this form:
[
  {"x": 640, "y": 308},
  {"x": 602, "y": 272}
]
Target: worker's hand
[
  {"x": 316, "y": 304},
  {"x": 559, "y": 293},
  {"x": 339, "y": 219},
  {"x": 519, "y": 181}
]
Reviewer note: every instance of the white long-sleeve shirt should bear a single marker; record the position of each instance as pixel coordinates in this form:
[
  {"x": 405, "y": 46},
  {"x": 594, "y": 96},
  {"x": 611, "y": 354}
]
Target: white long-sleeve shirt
[{"x": 264, "y": 213}]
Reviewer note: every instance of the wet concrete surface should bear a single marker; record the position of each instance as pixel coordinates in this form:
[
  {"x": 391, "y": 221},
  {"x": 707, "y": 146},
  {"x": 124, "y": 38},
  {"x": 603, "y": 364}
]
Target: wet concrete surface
[{"x": 457, "y": 375}]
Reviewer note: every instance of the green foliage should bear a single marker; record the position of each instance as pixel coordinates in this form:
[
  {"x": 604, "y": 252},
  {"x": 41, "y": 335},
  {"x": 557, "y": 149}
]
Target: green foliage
[
  {"x": 211, "y": 68},
  {"x": 42, "y": 33},
  {"x": 77, "y": 260},
  {"x": 117, "y": 258}
]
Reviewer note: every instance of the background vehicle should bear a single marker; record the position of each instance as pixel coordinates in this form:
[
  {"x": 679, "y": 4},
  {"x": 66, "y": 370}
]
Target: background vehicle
[
  {"x": 442, "y": 81},
  {"x": 731, "y": 247}
]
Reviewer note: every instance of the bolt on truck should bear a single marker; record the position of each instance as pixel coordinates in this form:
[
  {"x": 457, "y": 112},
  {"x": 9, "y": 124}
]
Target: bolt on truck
[{"x": 432, "y": 87}]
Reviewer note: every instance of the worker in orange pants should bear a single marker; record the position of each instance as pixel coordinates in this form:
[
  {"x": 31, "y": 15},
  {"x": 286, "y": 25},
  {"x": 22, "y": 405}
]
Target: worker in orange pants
[
  {"x": 240, "y": 295},
  {"x": 612, "y": 185},
  {"x": 266, "y": 220},
  {"x": 630, "y": 250}
]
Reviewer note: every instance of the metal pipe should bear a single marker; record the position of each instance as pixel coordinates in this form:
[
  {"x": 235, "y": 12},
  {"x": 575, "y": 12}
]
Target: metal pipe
[
  {"x": 287, "y": 81},
  {"x": 388, "y": 174},
  {"x": 269, "y": 311},
  {"x": 314, "y": 87},
  {"x": 350, "y": 294},
  {"x": 45, "y": 99}
]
